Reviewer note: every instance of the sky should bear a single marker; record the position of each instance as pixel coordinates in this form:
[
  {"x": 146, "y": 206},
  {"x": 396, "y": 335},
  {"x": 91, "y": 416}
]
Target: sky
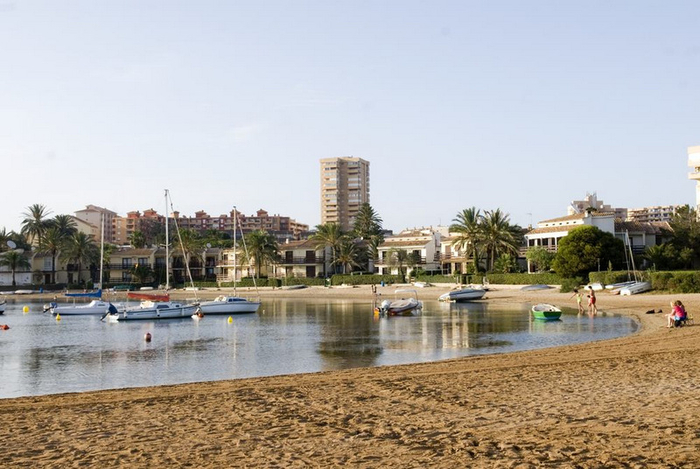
[{"x": 522, "y": 106}]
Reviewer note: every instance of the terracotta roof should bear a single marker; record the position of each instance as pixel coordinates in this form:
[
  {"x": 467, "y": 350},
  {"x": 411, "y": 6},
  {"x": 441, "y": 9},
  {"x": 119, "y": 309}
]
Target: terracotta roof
[
  {"x": 641, "y": 227},
  {"x": 578, "y": 216}
]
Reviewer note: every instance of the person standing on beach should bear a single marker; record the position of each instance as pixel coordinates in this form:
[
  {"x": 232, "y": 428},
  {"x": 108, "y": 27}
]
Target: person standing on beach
[
  {"x": 579, "y": 300},
  {"x": 592, "y": 308}
]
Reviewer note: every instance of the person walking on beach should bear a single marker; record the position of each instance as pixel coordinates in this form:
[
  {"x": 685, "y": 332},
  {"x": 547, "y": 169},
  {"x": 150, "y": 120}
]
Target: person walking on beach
[
  {"x": 579, "y": 300},
  {"x": 592, "y": 308}
]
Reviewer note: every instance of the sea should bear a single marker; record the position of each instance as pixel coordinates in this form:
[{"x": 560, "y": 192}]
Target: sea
[{"x": 41, "y": 355}]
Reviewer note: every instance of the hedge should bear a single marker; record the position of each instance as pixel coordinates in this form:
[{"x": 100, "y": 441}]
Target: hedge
[
  {"x": 370, "y": 279},
  {"x": 309, "y": 281},
  {"x": 611, "y": 277},
  {"x": 524, "y": 279},
  {"x": 676, "y": 281}
]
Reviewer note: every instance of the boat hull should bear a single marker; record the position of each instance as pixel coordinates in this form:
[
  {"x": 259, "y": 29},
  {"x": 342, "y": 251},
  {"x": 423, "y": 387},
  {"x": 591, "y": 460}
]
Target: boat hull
[
  {"x": 637, "y": 287},
  {"x": 94, "y": 308},
  {"x": 467, "y": 294},
  {"x": 238, "y": 307},
  {"x": 173, "y": 311},
  {"x": 546, "y": 312}
]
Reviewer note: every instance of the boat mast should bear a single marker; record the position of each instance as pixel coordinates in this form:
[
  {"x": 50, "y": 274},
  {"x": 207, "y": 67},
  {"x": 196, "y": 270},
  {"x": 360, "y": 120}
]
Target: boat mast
[
  {"x": 167, "y": 245},
  {"x": 235, "y": 213},
  {"x": 102, "y": 247}
]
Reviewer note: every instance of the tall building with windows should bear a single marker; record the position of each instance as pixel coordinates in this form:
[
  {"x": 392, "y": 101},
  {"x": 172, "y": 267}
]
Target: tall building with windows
[{"x": 344, "y": 188}]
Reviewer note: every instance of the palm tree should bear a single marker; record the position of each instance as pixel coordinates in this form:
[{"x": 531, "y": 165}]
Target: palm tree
[
  {"x": 398, "y": 258},
  {"x": 80, "y": 249},
  {"x": 368, "y": 226},
  {"x": 330, "y": 236},
  {"x": 467, "y": 225},
  {"x": 347, "y": 255},
  {"x": 498, "y": 235},
  {"x": 35, "y": 223},
  {"x": 4, "y": 238},
  {"x": 14, "y": 260},
  {"x": 191, "y": 245},
  {"x": 137, "y": 240},
  {"x": 262, "y": 247},
  {"x": 51, "y": 243},
  {"x": 64, "y": 223}
]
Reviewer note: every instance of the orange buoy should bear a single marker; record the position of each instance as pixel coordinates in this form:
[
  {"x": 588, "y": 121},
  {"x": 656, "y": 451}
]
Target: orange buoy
[{"x": 4, "y": 327}]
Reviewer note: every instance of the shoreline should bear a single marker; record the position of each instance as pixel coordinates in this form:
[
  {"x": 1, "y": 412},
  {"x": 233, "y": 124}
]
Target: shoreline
[{"x": 621, "y": 402}]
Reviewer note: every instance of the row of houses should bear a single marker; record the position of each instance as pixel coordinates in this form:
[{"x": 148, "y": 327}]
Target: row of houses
[{"x": 432, "y": 249}]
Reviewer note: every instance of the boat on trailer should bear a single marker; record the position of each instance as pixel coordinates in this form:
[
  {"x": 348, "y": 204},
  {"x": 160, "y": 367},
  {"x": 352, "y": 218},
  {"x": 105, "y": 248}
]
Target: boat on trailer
[{"x": 546, "y": 312}]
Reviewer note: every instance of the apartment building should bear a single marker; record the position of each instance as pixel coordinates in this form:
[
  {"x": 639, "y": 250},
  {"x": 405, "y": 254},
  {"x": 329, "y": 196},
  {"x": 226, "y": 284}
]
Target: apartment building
[
  {"x": 344, "y": 188},
  {"x": 659, "y": 213},
  {"x": 94, "y": 215}
]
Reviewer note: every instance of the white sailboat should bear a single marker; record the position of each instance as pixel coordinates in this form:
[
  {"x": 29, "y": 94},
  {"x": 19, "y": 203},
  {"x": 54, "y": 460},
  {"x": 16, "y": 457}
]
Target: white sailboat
[
  {"x": 638, "y": 286},
  {"x": 158, "y": 309},
  {"x": 224, "y": 304},
  {"x": 96, "y": 307}
]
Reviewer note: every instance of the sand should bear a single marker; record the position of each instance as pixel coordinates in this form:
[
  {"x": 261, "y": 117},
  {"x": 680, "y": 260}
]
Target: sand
[{"x": 630, "y": 402}]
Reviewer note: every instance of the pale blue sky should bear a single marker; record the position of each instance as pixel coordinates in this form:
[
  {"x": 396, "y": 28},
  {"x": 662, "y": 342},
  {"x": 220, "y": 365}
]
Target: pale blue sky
[{"x": 518, "y": 105}]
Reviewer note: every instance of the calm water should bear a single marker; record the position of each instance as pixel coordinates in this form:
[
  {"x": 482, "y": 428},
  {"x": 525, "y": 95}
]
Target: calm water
[{"x": 40, "y": 355}]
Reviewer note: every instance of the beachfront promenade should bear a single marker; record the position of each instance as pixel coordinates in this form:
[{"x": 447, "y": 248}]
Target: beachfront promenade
[{"x": 630, "y": 402}]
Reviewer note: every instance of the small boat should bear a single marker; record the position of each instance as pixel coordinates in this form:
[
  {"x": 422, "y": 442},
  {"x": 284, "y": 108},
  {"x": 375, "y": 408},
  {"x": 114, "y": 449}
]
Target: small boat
[
  {"x": 615, "y": 288},
  {"x": 422, "y": 284},
  {"x": 546, "y": 312},
  {"x": 597, "y": 286},
  {"x": 153, "y": 310},
  {"x": 535, "y": 287},
  {"x": 149, "y": 296},
  {"x": 404, "y": 303},
  {"x": 465, "y": 294},
  {"x": 229, "y": 305},
  {"x": 94, "y": 308},
  {"x": 636, "y": 287}
]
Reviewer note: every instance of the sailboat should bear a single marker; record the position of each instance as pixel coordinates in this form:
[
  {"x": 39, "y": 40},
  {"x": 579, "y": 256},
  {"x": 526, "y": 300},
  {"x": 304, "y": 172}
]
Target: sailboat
[
  {"x": 157, "y": 306},
  {"x": 638, "y": 286},
  {"x": 97, "y": 306},
  {"x": 224, "y": 304}
]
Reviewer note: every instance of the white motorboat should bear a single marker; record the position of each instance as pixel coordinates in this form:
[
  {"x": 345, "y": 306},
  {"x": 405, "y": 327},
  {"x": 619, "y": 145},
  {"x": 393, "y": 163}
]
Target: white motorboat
[
  {"x": 153, "y": 310},
  {"x": 636, "y": 287},
  {"x": 615, "y": 288},
  {"x": 94, "y": 308},
  {"x": 404, "y": 303},
  {"x": 465, "y": 294},
  {"x": 229, "y": 305}
]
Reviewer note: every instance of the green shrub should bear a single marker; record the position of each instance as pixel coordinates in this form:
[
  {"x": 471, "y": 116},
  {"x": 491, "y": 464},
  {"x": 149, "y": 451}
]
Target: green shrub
[
  {"x": 303, "y": 281},
  {"x": 569, "y": 284},
  {"x": 609, "y": 277},
  {"x": 437, "y": 278},
  {"x": 676, "y": 281},
  {"x": 371, "y": 279},
  {"x": 524, "y": 279}
]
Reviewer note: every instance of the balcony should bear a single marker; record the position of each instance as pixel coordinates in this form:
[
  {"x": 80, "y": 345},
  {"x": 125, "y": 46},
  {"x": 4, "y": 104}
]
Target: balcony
[{"x": 303, "y": 260}]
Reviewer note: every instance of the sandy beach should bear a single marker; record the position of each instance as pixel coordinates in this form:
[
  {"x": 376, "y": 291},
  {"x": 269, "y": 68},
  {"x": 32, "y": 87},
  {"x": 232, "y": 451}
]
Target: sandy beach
[{"x": 630, "y": 402}]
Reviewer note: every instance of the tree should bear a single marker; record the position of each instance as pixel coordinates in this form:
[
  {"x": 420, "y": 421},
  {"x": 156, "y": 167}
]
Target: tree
[
  {"x": 137, "y": 240},
  {"x": 35, "y": 223},
  {"x": 348, "y": 255},
  {"x": 467, "y": 225},
  {"x": 80, "y": 249},
  {"x": 368, "y": 227},
  {"x": 330, "y": 236},
  {"x": 142, "y": 273},
  {"x": 262, "y": 247},
  {"x": 685, "y": 227},
  {"x": 498, "y": 235},
  {"x": 506, "y": 264},
  {"x": 15, "y": 260},
  {"x": 64, "y": 223},
  {"x": 4, "y": 238},
  {"x": 584, "y": 249},
  {"x": 540, "y": 257},
  {"x": 51, "y": 242},
  {"x": 398, "y": 258}
]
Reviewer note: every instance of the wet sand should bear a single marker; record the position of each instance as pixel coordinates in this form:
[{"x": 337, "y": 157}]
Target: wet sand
[{"x": 629, "y": 402}]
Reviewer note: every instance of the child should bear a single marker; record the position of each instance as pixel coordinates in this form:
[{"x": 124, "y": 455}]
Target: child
[{"x": 579, "y": 300}]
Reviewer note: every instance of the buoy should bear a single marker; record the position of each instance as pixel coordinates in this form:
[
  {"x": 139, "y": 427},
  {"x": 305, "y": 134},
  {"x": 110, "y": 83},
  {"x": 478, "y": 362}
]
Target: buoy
[
  {"x": 25, "y": 309},
  {"x": 230, "y": 319},
  {"x": 147, "y": 337},
  {"x": 4, "y": 327},
  {"x": 58, "y": 317}
]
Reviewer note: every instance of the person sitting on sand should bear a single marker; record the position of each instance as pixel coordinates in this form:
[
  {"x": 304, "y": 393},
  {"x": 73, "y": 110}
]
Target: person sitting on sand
[
  {"x": 677, "y": 313},
  {"x": 579, "y": 300},
  {"x": 592, "y": 308}
]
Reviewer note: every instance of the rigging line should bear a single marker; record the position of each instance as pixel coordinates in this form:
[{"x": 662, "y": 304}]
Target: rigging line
[
  {"x": 182, "y": 247},
  {"x": 245, "y": 248}
]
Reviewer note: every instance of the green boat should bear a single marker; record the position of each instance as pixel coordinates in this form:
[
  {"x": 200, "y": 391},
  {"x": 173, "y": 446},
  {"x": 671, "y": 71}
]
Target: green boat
[{"x": 546, "y": 312}]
